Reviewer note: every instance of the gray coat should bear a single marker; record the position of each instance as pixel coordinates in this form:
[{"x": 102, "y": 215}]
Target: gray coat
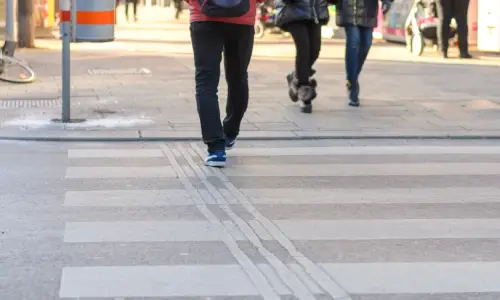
[
  {"x": 288, "y": 11},
  {"x": 362, "y": 13}
]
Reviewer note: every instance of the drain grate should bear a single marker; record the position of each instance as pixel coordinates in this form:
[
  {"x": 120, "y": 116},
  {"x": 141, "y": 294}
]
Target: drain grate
[
  {"x": 132, "y": 71},
  {"x": 44, "y": 103}
]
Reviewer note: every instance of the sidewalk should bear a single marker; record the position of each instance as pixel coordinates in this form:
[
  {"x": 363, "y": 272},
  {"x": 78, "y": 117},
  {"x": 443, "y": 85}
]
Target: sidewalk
[{"x": 151, "y": 96}]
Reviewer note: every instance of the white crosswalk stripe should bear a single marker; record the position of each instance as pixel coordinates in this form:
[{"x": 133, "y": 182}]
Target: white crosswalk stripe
[{"x": 346, "y": 243}]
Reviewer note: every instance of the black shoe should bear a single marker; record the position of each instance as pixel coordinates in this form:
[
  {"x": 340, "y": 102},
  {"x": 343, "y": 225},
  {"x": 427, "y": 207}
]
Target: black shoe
[
  {"x": 306, "y": 108},
  {"x": 444, "y": 54},
  {"x": 353, "y": 91},
  {"x": 307, "y": 93},
  {"x": 292, "y": 86},
  {"x": 465, "y": 55}
]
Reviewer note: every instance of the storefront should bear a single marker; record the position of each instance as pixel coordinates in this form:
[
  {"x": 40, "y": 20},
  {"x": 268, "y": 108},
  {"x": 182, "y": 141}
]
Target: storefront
[{"x": 488, "y": 35}]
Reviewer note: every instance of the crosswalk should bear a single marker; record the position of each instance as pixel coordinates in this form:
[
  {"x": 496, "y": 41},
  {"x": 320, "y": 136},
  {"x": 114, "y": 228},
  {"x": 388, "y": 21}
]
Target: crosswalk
[{"x": 323, "y": 222}]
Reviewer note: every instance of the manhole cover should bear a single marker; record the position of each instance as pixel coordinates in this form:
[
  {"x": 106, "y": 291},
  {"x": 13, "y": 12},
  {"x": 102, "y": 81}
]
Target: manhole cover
[
  {"x": 132, "y": 71},
  {"x": 45, "y": 103}
]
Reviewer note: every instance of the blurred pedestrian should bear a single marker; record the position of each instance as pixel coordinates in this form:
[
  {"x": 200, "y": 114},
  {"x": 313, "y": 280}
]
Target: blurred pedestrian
[
  {"x": 303, "y": 20},
  {"x": 358, "y": 17},
  {"x": 134, "y": 3},
  {"x": 217, "y": 27},
  {"x": 447, "y": 10},
  {"x": 178, "y": 8}
]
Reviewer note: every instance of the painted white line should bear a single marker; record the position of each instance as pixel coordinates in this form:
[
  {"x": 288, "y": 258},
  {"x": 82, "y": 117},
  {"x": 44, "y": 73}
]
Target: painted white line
[
  {"x": 127, "y": 198},
  {"x": 155, "y": 281},
  {"x": 146, "y": 231},
  {"x": 368, "y": 150},
  {"x": 118, "y": 172},
  {"x": 375, "y": 196},
  {"x": 114, "y": 153},
  {"x": 390, "y": 229},
  {"x": 416, "y": 278},
  {"x": 343, "y": 170}
]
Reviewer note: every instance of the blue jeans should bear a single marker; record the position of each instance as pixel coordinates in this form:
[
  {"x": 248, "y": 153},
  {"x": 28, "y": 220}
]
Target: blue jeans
[{"x": 358, "y": 43}]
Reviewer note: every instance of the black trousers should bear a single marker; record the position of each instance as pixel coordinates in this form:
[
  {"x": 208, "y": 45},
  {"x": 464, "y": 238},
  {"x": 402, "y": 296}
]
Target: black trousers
[
  {"x": 307, "y": 38},
  {"x": 134, "y": 3},
  {"x": 210, "y": 40},
  {"x": 458, "y": 9}
]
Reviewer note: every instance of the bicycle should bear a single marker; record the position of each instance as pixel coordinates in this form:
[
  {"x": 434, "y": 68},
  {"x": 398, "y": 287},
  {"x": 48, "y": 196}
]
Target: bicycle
[{"x": 14, "y": 70}]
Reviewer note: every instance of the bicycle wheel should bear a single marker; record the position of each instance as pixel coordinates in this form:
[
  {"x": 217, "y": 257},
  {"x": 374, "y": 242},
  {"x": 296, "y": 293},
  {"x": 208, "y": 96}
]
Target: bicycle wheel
[{"x": 15, "y": 71}]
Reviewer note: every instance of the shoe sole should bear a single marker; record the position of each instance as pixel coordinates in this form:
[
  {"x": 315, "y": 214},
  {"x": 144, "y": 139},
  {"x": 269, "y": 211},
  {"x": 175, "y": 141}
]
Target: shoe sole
[
  {"x": 352, "y": 104},
  {"x": 215, "y": 164}
]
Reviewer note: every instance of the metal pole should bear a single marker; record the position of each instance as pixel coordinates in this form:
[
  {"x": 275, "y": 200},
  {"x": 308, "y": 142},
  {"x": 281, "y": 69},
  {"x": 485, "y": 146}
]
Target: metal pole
[
  {"x": 10, "y": 27},
  {"x": 66, "y": 59}
]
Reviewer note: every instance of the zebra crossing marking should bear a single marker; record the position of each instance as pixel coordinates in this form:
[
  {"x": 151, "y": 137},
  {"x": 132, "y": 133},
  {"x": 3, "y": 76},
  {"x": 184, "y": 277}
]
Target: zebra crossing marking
[
  {"x": 401, "y": 229},
  {"x": 148, "y": 231},
  {"x": 118, "y": 172},
  {"x": 351, "y": 170},
  {"x": 114, "y": 153},
  {"x": 417, "y": 278},
  {"x": 155, "y": 281},
  {"x": 365, "y": 150},
  {"x": 374, "y": 196},
  {"x": 127, "y": 198},
  {"x": 304, "y": 279}
]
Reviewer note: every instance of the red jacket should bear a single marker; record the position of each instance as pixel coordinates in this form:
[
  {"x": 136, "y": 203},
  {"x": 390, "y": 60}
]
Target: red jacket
[{"x": 195, "y": 14}]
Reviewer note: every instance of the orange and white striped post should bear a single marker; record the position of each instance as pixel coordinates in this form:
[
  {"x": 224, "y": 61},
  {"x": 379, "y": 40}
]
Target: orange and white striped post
[{"x": 91, "y": 20}]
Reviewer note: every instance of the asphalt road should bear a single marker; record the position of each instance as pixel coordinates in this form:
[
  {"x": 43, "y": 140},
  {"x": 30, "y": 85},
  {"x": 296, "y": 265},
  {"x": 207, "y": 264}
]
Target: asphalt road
[{"x": 360, "y": 220}]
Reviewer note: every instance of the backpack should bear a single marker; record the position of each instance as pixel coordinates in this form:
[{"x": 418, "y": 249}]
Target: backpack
[{"x": 224, "y": 8}]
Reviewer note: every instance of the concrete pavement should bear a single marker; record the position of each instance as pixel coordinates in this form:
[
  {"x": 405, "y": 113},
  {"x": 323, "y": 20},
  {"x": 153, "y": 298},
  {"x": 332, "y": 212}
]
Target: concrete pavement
[
  {"x": 151, "y": 95},
  {"x": 357, "y": 220},
  {"x": 141, "y": 87}
]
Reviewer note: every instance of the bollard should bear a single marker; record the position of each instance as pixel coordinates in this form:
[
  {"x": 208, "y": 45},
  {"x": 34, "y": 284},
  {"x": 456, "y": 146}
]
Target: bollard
[
  {"x": 82, "y": 21},
  {"x": 65, "y": 17},
  {"x": 94, "y": 21}
]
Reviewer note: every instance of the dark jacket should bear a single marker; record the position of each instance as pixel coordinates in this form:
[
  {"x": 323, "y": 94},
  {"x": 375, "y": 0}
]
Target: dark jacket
[
  {"x": 289, "y": 11},
  {"x": 362, "y": 13}
]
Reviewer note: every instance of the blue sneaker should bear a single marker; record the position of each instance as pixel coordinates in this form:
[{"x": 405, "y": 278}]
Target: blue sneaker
[
  {"x": 230, "y": 143},
  {"x": 216, "y": 159}
]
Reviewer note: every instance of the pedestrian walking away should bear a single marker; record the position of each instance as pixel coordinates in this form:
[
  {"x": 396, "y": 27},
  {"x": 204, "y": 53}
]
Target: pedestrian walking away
[
  {"x": 178, "y": 8},
  {"x": 303, "y": 19},
  {"x": 216, "y": 28},
  {"x": 135, "y": 4},
  {"x": 447, "y": 10},
  {"x": 358, "y": 17}
]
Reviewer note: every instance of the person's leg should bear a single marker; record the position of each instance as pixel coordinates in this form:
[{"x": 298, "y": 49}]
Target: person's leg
[
  {"x": 126, "y": 9},
  {"x": 352, "y": 43},
  {"x": 365, "y": 43},
  {"x": 300, "y": 35},
  {"x": 444, "y": 9},
  {"x": 461, "y": 8},
  {"x": 238, "y": 46},
  {"x": 136, "y": 3},
  {"x": 314, "y": 44},
  {"x": 208, "y": 45}
]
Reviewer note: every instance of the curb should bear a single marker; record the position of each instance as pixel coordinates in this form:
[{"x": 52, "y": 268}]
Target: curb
[{"x": 254, "y": 138}]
